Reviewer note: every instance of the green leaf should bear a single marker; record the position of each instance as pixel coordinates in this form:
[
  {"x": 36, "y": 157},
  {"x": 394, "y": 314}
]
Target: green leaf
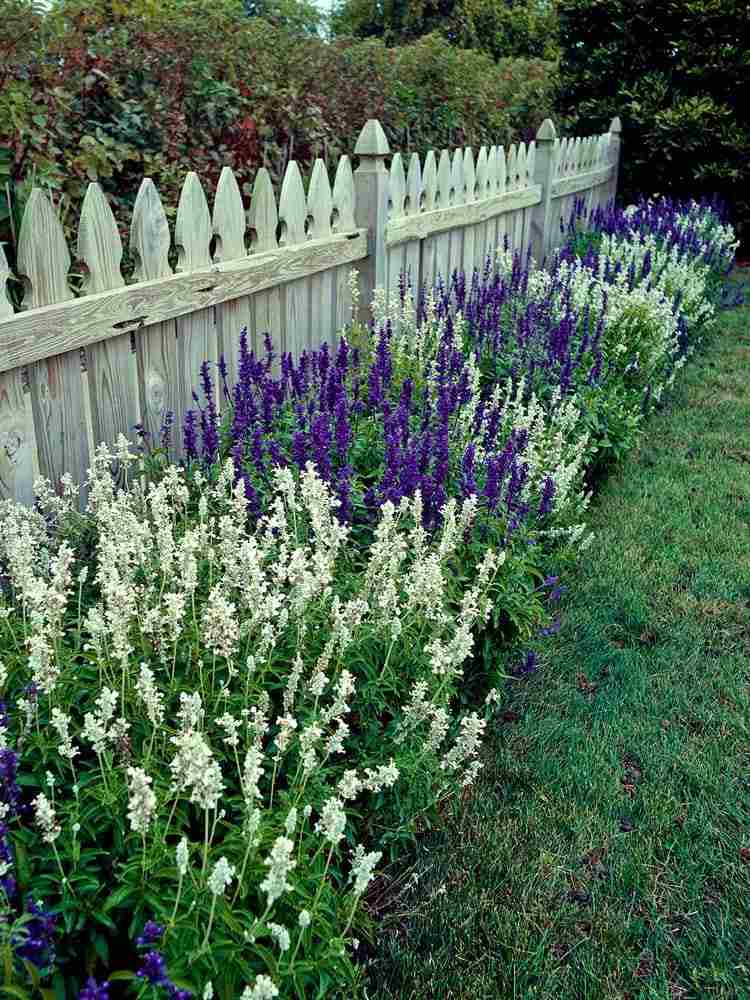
[{"x": 16, "y": 991}]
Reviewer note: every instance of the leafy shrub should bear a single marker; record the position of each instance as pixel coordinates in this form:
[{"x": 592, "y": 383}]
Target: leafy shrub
[
  {"x": 677, "y": 74},
  {"x": 118, "y": 91}
]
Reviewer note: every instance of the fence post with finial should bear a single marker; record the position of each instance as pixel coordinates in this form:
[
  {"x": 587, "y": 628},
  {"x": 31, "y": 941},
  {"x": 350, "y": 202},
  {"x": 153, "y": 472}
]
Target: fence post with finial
[
  {"x": 544, "y": 175},
  {"x": 371, "y": 206}
]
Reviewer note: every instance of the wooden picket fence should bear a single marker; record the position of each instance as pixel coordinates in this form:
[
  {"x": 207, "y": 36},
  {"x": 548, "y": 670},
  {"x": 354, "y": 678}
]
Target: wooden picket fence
[{"x": 77, "y": 370}]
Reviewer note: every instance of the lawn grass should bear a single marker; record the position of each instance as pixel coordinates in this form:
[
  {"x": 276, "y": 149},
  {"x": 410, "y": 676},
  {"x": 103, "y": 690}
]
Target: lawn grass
[{"x": 605, "y": 851}]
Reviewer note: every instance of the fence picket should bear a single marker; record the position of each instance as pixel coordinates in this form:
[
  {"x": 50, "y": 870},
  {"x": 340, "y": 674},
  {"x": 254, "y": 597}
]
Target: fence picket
[
  {"x": 196, "y": 333},
  {"x": 111, "y": 364},
  {"x": 428, "y": 261},
  {"x": 343, "y": 222},
  {"x": 413, "y": 206},
  {"x": 228, "y": 226},
  {"x": 458, "y": 197},
  {"x": 292, "y": 216},
  {"x": 469, "y": 232},
  {"x": 155, "y": 345},
  {"x": 396, "y": 199},
  {"x": 18, "y": 458},
  {"x": 320, "y": 210},
  {"x": 443, "y": 200},
  {"x": 264, "y": 222},
  {"x": 521, "y": 215},
  {"x": 483, "y": 192},
  {"x": 57, "y": 387}
]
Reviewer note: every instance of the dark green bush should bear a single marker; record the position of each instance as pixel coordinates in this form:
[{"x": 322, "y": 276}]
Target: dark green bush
[{"x": 678, "y": 75}]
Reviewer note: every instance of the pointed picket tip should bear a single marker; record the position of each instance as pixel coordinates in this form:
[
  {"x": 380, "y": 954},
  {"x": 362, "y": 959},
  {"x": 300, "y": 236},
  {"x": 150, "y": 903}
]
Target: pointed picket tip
[
  {"x": 616, "y": 125},
  {"x": 443, "y": 196},
  {"x": 43, "y": 256},
  {"x": 319, "y": 202},
  {"x": 228, "y": 223},
  {"x": 263, "y": 216},
  {"x": 149, "y": 234},
  {"x": 547, "y": 132},
  {"x": 396, "y": 187},
  {"x": 6, "y": 309},
  {"x": 502, "y": 171},
  {"x": 470, "y": 175},
  {"x": 413, "y": 203},
  {"x": 192, "y": 230},
  {"x": 99, "y": 243},
  {"x": 343, "y": 197},
  {"x": 492, "y": 171},
  {"x": 292, "y": 206},
  {"x": 372, "y": 140},
  {"x": 458, "y": 188},
  {"x": 429, "y": 181}
]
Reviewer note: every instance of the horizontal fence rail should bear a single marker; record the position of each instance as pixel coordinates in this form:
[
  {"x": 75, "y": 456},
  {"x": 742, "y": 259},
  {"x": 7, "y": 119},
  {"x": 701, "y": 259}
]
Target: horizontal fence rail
[{"x": 79, "y": 368}]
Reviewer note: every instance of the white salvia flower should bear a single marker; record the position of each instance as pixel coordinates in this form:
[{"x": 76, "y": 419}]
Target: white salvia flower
[
  {"x": 252, "y": 772},
  {"x": 182, "y": 857},
  {"x": 290, "y": 824},
  {"x": 3, "y": 673},
  {"x": 308, "y": 739},
  {"x": 287, "y": 724},
  {"x": 220, "y": 877},
  {"x": 194, "y": 767},
  {"x": 95, "y": 725},
  {"x": 304, "y": 919},
  {"x": 467, "y": 743},
  {"x": 221, "y": 628},
  {"x": 231, "y": 727},
  {"x": 61, "y": 724},
  {"x": 191, "y": 711},
  {"x": 46, "y": 819},
  {"x": 141, "y": 800},
  {"x": 280, "y": 935},
  {"x": 332, "y": 822},
  {"x": 307, "y": 811},
  {"x": 279, "y": 863},
  {"x": 150, "y": 695},
  {"x": 384, "y": 775},
  {"x": 349, "y": 786},
  {"x": 208, "y": 991},
  {"x": 363, "y": 866},
  {"x": 263, "y": 989}
]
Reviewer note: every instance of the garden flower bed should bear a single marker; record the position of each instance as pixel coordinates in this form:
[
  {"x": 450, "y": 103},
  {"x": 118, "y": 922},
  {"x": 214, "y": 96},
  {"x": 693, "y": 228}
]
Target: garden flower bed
[{"x": 234, "y": 687}]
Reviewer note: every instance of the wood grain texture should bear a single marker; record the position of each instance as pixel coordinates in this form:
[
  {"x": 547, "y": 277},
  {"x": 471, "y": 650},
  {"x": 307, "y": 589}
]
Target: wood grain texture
[
  {"x": 228, "y": 219},
  {"x": 483, "y": 193},
  {"x": 444, "y": 220},
  {"x": 581, "y": 182},
  {"x": 192, "y": 230},
  {"x": 27, "y": 337},
  {"x": 428, "y": 263},
  {"x": 343, "y": 221},
  {"x": 56, "y": 385},
  {"x": 396, "y": 200},
  {"x": 228, "y": 224},
  {"x": 470, "y": 197},
  {"x": 413, "y": 206},
  {"x": 292, "y": 220},
  {"x": 320, "y": 211},
  {"x": 149, "y": 235},
  {"x": 19, "y": 463},
  {"x": 156, "y": 344},
  {"x": 458, "y": 199},
  {"x": 111, "y": 365},
  {"x": 264, "y": 220}
]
